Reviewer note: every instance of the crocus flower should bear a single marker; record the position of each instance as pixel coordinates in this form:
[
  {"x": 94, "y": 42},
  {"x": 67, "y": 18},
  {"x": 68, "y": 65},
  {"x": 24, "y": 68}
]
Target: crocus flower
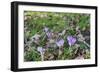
[
  {"x": 49, "y": 34},
  {"x": 46, "y": 29},
  {"x": 41, "y": 50},
  {"x": 60, "y": 42},
  {"x": 71, "y": 40}
]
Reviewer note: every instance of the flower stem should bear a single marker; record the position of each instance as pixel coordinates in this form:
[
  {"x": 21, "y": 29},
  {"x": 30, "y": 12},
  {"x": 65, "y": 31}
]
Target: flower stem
[
  {"x": 59, "y": 51},
  {"x": 42, "y": 57}
]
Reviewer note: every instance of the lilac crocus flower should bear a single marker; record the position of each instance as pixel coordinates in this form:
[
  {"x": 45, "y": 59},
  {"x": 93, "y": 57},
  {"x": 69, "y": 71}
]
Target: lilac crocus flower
[
  {"x": 71, "y": 40},
  {"x": 60, "y": 42},
  {"x": 49, "y": 34},
  {"x": 46, "y": 29},
  {"x": 41, "y": 50}
]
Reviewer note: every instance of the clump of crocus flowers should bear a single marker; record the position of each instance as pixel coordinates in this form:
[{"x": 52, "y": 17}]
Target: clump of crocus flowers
[{"x": 58, "y": 41}]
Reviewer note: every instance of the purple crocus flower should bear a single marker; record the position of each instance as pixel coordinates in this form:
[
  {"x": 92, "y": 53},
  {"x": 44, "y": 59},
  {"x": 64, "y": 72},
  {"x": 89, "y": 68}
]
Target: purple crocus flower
[
  {"x": 60, "y": 42},
  {"x": 46, "y": 29},
  {"x": 41, "y": 50},
  {"x": 71, "y": 40},
  {"x": 49, "y": 34}
]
